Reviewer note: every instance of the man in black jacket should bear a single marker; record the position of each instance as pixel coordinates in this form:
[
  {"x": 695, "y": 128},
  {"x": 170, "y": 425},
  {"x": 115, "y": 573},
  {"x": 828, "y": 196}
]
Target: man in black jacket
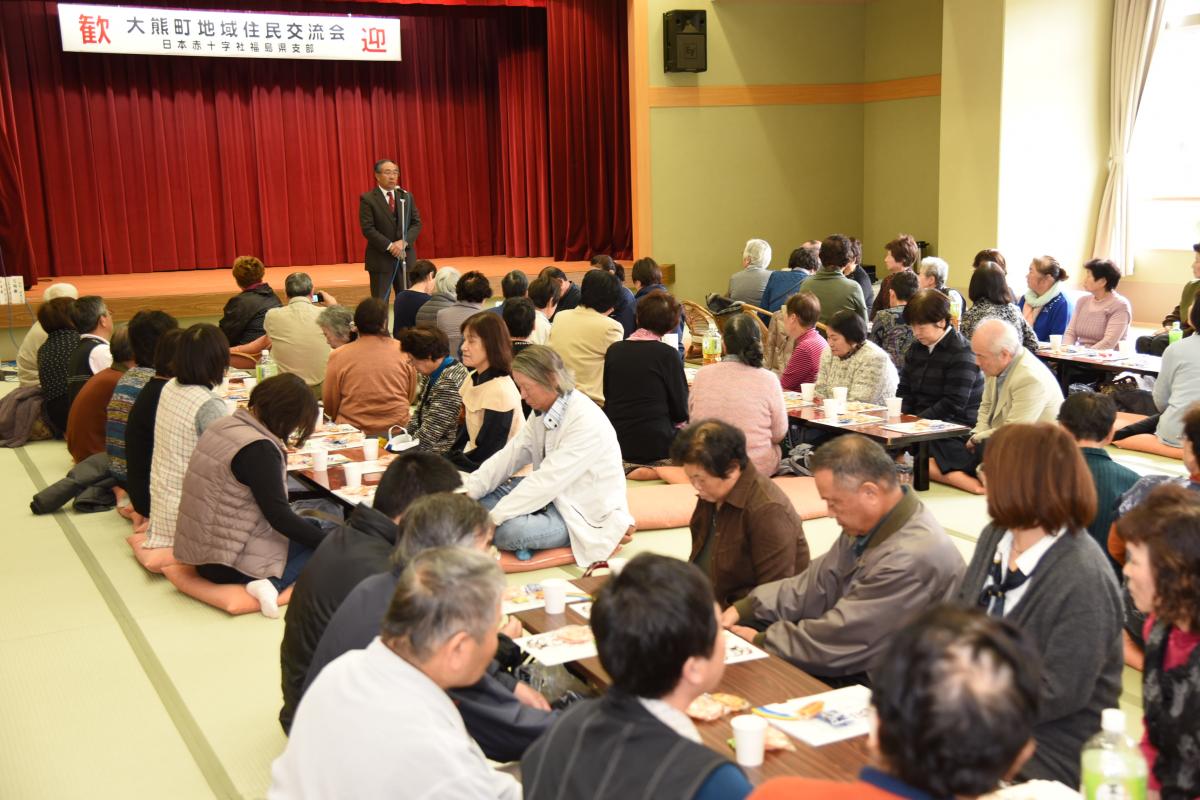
[
  {"x": 503, "y": 715},
  {"x": 658, "y": 638},
  {"x": 391, "y": 224},
  {"x": 360, "y": 548}
]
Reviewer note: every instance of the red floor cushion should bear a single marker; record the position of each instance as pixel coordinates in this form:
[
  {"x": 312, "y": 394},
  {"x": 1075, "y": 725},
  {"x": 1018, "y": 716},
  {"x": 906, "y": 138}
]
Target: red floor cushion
[
  {"x": 802, "y": 491},
  {"x": 153, "y": 559},
  {"x": 232, "y": 598}
]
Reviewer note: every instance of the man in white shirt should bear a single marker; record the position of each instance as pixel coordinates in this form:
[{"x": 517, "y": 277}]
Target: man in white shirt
[
  {"x": 544, "y": 294},
  {"x": 92, "y": 354},
  {"x": 378, "y": 722}
]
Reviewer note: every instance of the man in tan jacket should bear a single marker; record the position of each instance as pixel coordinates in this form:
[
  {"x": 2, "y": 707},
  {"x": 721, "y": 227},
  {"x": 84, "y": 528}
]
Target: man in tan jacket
[
  {"x": 1017, "y": 386},
  {"x": 296, "y": 341},
  {"x": 892, "y": 561}
]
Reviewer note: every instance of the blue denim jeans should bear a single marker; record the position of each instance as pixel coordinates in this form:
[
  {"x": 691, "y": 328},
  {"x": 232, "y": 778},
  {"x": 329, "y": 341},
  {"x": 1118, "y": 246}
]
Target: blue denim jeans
[
  {"x": 298, "y": 555},
  {"x": 537, "y": 531}
]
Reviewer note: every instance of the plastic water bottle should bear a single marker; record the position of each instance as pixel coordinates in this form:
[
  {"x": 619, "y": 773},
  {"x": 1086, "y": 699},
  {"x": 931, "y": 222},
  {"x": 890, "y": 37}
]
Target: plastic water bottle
[
  {"x": 955, "y": 309},
  {"x": 712, "y": 344},
  {"x": 1113, "y": 766},
  {"x": 267, "y": 368},
  {"x": 1175, "y": 334}
]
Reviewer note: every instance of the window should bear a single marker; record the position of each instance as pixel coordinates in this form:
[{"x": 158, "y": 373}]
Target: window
[{"x": 1164, "y": 163}]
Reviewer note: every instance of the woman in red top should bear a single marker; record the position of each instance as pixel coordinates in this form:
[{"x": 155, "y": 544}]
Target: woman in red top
[
  {"x": 1162, "y": 537},
  {"x": 800, "y": 314}
]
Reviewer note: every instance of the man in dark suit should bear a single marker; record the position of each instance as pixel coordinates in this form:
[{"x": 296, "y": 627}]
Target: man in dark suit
[{"x": 390, "y": 222}]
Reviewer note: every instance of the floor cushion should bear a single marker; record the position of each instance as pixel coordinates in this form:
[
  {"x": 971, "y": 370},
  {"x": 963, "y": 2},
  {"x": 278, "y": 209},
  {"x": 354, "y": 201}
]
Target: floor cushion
[
  {"x": 1149, "y": 443},
  {"x": 232, "y": 598},
  {"x": 802, "y": 491},
  {"x": 153, "y": 559},
  {"x": 658, "y": 507},
  {"x": 551, "y": 557},
  {"x": 554, "y": 557}
]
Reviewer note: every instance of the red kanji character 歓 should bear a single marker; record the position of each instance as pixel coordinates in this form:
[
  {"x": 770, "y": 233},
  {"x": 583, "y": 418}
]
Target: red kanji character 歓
[
  {"x": 374, "y": 40},
  {"x": 94, "y": 31}
]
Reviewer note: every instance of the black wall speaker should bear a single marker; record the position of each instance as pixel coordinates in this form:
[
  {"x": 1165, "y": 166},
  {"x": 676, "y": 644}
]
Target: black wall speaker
[{"x": 685, "y": 41}]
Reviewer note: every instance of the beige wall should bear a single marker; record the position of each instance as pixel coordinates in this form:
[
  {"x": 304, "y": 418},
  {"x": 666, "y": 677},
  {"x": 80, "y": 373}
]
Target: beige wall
[
  {"x": 1053, "y": 133},
  {"x": 787, "y": 173},
  {"x": 969, "y": 156},
  {"x": 903, "y": 39},
  {"x": 784, "y": 173},
  {"x": 723, "y": 175}
]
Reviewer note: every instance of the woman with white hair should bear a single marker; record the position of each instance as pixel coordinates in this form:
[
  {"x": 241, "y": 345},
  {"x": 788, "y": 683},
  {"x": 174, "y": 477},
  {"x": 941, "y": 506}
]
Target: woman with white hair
[
  {"x": 747, "y": 285},
  {"x": 575, "y": 494},
  {"x": 27, "y": 368},
  {"x": 445, "y": 294},
  {"x": 932, "y": 273}
]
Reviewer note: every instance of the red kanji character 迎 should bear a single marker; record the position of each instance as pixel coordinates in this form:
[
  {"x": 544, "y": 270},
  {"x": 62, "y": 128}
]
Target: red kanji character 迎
[{"x": 374, "y": 40}]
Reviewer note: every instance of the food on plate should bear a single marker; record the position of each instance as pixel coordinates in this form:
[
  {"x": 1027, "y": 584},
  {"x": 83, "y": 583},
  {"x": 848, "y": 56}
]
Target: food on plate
[
  {"x": 574, "y": 634},
  {"x": 776, "y": 739},
  {"x": 706, "y": 709},
  {"x": 731, "y": 701}
]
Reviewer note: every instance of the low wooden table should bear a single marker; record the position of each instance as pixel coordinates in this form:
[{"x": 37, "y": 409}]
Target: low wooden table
[
  {"x": 1139, "y": 364},
  {"x": 767, "y": 680},
  {"x": 811, "y": 416}
]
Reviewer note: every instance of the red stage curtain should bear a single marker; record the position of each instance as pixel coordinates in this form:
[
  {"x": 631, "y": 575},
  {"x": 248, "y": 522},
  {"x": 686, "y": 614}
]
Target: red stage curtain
[{"x": 141, "y": 163}]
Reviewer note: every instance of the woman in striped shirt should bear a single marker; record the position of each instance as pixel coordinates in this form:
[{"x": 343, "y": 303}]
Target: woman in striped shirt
[
  {"x": 435, "y": 421},
  {"x": 800, "y": 316}
]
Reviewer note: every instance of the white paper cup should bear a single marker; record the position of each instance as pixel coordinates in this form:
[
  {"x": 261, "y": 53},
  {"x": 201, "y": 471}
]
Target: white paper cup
[
  {"x": 249, "y": 383},
  {"x": 554, "y": 592},
  {"x": 320, "y": 418},
  {"x": 353, "y": 474},
  {"x": 320, "y": 459},
  {"x": 615, "y": 565},
  {"x": 893, "y": 407},
  {"x": 671, "y": 339},
  {"x": 370, "y": 447},
  {"x": 831, "y": 407},
  {"x": 1056, "y": 342},
  {"x": 806, "y": 391},
  {"x": 1125, "y": 347},
  {"x": 839, "y": 394},
  {"x": 749, "y": 739}
]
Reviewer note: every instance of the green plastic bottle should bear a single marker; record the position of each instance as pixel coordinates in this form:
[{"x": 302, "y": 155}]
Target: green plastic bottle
[
  {"x": 1175, "y": 334},
  {"x": 267, "y": 368},
  {"x": 1113, "y": 766}
]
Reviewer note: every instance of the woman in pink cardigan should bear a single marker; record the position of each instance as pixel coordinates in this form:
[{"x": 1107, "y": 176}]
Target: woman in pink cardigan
[
  {"x": 740, "y": 392},
  {"x": 1101, "y": 317}
]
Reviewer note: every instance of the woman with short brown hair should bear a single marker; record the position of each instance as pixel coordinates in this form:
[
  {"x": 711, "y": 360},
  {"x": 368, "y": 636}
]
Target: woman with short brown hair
[
  {"x": 1162, "y": 537},
  {"x": 1036, "y": 566},
  {"x": 242, "y": 319}
]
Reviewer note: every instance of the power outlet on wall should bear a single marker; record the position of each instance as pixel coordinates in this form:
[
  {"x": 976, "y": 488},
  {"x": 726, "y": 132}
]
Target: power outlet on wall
[{"x": 16, "y": 291}]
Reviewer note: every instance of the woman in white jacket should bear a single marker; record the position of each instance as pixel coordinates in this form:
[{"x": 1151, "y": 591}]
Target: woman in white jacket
[{"x": 576, "y": 492}]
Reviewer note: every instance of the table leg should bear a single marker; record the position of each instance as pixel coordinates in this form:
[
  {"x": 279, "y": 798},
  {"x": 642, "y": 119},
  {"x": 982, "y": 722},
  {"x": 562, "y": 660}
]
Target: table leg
[{"x": 921, "y": 467}]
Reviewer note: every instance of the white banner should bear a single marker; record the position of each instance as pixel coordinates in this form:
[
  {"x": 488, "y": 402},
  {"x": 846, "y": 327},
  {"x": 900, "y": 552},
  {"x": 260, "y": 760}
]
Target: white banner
[{"x": 226, "y": 34}]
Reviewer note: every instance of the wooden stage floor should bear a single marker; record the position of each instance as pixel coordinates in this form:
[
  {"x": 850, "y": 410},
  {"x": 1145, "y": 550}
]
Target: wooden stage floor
[{"x": 203, "y": 292}]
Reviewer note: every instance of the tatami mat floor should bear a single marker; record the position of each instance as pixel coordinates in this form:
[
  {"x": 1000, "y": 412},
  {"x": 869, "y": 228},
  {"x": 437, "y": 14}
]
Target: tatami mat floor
[{"x": 112, "y": 684}]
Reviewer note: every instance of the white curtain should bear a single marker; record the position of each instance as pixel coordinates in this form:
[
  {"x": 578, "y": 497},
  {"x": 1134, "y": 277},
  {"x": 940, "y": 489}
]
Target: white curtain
[{"x": 1136, "y": 25}]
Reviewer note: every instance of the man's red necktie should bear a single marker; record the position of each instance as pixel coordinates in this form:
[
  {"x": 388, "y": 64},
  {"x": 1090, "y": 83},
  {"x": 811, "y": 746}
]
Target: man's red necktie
[{"x": 392, "y": 203}]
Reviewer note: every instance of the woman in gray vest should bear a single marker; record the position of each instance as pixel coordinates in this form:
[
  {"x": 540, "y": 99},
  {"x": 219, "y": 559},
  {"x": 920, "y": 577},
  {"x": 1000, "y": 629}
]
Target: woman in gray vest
[{"x": 235, "y": 523}]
